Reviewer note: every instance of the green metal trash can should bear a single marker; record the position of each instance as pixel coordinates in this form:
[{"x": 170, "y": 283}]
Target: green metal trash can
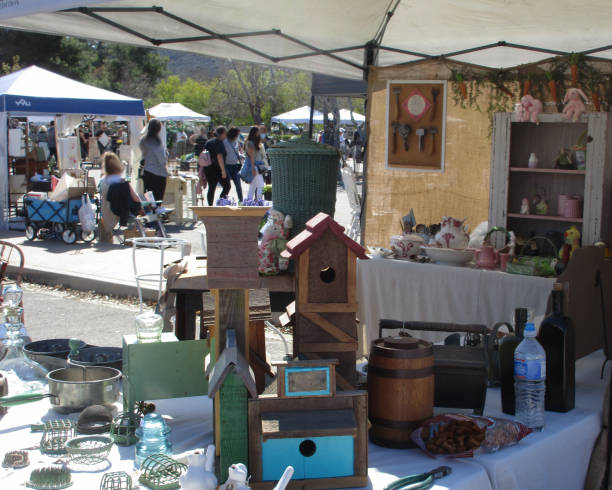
[{"x": 304, "y": 177}]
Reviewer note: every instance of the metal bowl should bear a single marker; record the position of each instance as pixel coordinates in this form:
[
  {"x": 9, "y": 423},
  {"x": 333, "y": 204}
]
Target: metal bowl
[
  {"x": 51, "y": 353},
  {"x": 101, "y": 356}
]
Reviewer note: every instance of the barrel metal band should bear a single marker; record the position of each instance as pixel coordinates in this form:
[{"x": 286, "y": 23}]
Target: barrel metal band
[
  {"x": 400, "y": 373},
  {"x": 396, "y": 424}
]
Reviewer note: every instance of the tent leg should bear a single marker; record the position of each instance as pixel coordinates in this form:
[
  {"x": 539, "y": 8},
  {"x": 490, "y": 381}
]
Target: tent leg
[{"x": 312, "y": 103}]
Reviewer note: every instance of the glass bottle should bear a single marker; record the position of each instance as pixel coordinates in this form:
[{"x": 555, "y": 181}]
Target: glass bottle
[
  {"x": 557, "y": 336},
  {"x": 149, "y": 326},
  {"x": 23, "y": 374},
  {"x": 506, "y": 360},
  {"x": 152, "y": 433}
]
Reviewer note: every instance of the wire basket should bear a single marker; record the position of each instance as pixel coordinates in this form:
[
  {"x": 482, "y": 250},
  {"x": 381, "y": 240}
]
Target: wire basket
[
  {"x": 160, "y": 472},
  {"x": 116, "y": 480},
  {"x": 55, "y": 435},
  {"x": 89, "y": 450},
  {"x": 123, "y": 428}
]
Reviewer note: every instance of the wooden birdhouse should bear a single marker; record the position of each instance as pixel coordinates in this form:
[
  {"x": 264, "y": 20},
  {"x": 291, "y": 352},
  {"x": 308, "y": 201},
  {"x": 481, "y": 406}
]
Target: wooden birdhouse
[{"x": 326, "y": 304}]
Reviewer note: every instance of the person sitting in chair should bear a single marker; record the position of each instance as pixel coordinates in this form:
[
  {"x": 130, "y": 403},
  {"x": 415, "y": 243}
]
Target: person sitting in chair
[{"x": 119, "y": 199}]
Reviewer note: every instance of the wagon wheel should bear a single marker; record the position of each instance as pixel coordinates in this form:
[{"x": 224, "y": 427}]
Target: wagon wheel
[
  {"x": 88, "y": 236},
  {"x": 69, "y": 236},
  {"x": 11, "y": 254},
  {"x": 31, "y": 232}
]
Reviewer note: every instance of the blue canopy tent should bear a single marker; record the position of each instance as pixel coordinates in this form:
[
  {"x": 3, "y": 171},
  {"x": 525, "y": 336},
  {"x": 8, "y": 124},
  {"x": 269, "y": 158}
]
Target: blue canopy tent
[{"x": 35, "y": 91}]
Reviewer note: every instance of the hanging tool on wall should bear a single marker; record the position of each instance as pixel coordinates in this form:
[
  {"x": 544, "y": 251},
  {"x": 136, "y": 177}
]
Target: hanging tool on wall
[
  {"x": 420, "y": 132},
  {"x": 404, "y": 131},
  {"x": 422, "y": 481},
  {"x": 396, "y": 126},
  {"x": 433, "y": 132},
  {"x": 397, "y": 92},
  {"x": 434, "y": 96}
]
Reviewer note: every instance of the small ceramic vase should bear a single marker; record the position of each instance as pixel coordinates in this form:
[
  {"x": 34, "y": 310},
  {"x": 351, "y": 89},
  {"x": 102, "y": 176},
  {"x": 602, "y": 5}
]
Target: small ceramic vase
[
  {"x": 525, "y": 206},
  {"x": 561, "y": 200},
  {"x": 200, "y": 474},
  {"x": 533, "y": 161}
]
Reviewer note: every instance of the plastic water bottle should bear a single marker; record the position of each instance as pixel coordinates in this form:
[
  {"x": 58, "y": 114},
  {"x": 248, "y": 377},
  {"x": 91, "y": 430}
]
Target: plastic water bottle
[{"x": 530, "y": 379}]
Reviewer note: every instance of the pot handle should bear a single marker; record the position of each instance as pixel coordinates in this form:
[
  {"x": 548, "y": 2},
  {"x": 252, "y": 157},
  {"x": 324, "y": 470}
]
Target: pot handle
[{"x": 11, "y": 401}]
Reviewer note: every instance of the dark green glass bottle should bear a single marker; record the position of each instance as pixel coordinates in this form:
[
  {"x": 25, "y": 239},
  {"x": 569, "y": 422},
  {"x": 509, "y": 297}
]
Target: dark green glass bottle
[
  {"x": 506, "y": 360},
  {"x": 557, "y": 336}
]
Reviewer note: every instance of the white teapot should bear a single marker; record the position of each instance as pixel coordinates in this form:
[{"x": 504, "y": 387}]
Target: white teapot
[
  {"x": 200, "y": 473},
  {"x": 452, "y": 234}
]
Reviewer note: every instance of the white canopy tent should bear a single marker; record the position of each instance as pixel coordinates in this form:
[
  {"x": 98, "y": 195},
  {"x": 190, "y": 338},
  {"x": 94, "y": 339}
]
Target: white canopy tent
[
  {"x": 301, "y": 115},
  {"x": 173, "y": 111},
  {"x": 34, "y": 92},
  {"x": 340, "y": 37}
]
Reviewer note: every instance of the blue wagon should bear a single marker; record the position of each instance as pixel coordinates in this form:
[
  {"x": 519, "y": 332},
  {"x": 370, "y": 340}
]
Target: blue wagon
[{"x": 46, "y": 218}]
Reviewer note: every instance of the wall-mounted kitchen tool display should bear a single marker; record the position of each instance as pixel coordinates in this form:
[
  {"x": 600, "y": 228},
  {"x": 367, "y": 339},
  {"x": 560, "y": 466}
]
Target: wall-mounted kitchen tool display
[
  {"x": 416, "y": 114},
  {"x": 420, "y": 132}
]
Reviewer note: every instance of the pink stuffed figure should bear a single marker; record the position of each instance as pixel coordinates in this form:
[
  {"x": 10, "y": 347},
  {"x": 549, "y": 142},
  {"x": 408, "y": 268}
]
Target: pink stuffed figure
[
  {"x": 529, "y": 110},
  {"x": 574, "y": 107},
  {"x": 274, "y": 238}
]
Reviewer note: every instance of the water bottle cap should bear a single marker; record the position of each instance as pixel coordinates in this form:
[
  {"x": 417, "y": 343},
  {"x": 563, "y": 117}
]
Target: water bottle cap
[{"x": 530, "y": 330}]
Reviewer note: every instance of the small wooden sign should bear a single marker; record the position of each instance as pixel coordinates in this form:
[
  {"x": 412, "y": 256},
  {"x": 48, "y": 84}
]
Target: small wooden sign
[{"x": 307, "y": 378}]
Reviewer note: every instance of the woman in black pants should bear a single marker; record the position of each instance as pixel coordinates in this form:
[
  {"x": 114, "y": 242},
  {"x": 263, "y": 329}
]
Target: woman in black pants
[
  {"x": 155, "y": 157},
  {"x": 215, "y": 172}
]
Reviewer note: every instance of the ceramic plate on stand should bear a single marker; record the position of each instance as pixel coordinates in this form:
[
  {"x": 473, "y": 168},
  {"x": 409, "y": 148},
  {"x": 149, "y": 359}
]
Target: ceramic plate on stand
[{"x": 449, "y": 256}]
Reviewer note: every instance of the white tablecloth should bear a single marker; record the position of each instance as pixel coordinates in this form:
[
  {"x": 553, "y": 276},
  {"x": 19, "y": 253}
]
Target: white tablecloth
[
  {"x": 557, "y": 458},
  {"x": 410, "y": 291}
]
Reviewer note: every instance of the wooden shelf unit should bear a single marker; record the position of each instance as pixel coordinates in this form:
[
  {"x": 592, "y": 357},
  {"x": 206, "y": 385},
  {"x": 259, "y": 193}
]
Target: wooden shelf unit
[
  {"x": 545, "y": 217},
  {"x": 512, "y": 180},
  {"x": 547, "y": 171}
]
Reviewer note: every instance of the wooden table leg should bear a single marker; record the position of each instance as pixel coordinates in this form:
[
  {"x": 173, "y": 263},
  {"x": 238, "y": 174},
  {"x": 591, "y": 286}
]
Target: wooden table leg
[{"x": 187, "y": 304}]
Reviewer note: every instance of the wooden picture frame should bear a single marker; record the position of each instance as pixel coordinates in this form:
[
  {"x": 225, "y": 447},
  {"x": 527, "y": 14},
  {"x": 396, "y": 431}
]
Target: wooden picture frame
[
  {"x": 410, "y": 104},
  {"x": 303, "y": 378}
]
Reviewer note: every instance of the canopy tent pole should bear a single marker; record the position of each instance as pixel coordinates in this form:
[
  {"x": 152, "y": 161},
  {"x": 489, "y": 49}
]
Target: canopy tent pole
[
  {"x": 4, "y": 178},
  {"x": 312, "y": 103}
]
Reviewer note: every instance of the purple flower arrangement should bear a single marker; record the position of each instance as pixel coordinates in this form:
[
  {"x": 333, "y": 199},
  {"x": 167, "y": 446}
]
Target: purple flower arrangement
[
  {"x": 224, "y": 201},
  {"x": 254, "y": 202}
]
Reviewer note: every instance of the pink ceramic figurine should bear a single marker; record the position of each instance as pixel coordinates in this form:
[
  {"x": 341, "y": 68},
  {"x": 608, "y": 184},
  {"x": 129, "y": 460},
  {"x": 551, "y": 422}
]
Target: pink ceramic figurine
[
  {"x": 529, "y": 110},
  {"x": 574, "y": 107}
]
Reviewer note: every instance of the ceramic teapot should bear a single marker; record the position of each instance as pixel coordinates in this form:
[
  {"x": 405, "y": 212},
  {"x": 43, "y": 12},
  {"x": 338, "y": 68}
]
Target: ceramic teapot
[
  {"x": 200, "y": 474},
  {"x": 406, "y": 245},
  {"x": 487, "y": 257},
  {"x": 452, "y": 234}
]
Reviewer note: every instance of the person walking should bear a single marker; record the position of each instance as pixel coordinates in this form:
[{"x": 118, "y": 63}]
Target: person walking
[
  {"x": 198, "y": 140},
  {"x": 233, "y": 159},
  {"x": 52, "y": 141},
  {"x": 259, "y": 162},
  {"x": 155, "y": 156},
  {"x": 42, "y": 138},
  {"x": 216, "y": 172}
]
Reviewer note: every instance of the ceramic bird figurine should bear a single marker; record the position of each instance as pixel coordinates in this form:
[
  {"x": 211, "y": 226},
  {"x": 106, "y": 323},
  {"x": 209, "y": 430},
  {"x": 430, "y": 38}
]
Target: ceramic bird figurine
[{"x": 237, "y": 478}]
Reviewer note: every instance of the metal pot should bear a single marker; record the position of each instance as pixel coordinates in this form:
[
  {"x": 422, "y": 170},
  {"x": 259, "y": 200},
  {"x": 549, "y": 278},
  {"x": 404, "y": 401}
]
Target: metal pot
[
  {"x": 50, "y": 353},
  {"x": 100, "y": 356},
  {"x": 74, "y": 388}
]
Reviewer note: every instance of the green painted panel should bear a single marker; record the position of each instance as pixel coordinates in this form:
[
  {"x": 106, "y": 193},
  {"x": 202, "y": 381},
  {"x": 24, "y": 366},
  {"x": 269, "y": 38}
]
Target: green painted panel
[
  {"x": 167, "y": 369},
  {"x": 234, "y": 424}
]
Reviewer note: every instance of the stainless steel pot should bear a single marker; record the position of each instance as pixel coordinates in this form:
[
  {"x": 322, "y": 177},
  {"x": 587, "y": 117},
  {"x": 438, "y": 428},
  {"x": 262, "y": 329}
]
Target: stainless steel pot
[{"x": 74, "y": 388}]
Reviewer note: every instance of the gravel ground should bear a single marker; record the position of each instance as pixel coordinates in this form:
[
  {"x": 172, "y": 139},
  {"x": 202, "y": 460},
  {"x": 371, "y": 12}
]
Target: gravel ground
[{"x": 55, "y": 312}]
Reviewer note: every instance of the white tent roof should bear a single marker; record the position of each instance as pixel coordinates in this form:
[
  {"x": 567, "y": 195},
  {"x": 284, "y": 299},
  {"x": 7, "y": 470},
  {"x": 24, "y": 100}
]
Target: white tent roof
[
  {"x": 301, "y": 115},
  {"x": 331, "y": 37},
  {"x": 37, "y": 91},
  {"x": 173, "y": 111}
]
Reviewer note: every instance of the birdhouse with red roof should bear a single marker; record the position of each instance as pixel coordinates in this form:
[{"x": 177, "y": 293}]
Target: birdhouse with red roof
[{"x": 326, "y": 299}]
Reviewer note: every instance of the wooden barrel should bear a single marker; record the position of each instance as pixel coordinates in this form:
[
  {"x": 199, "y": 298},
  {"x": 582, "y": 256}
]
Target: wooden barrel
[{"x": 400, "y": 389}]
